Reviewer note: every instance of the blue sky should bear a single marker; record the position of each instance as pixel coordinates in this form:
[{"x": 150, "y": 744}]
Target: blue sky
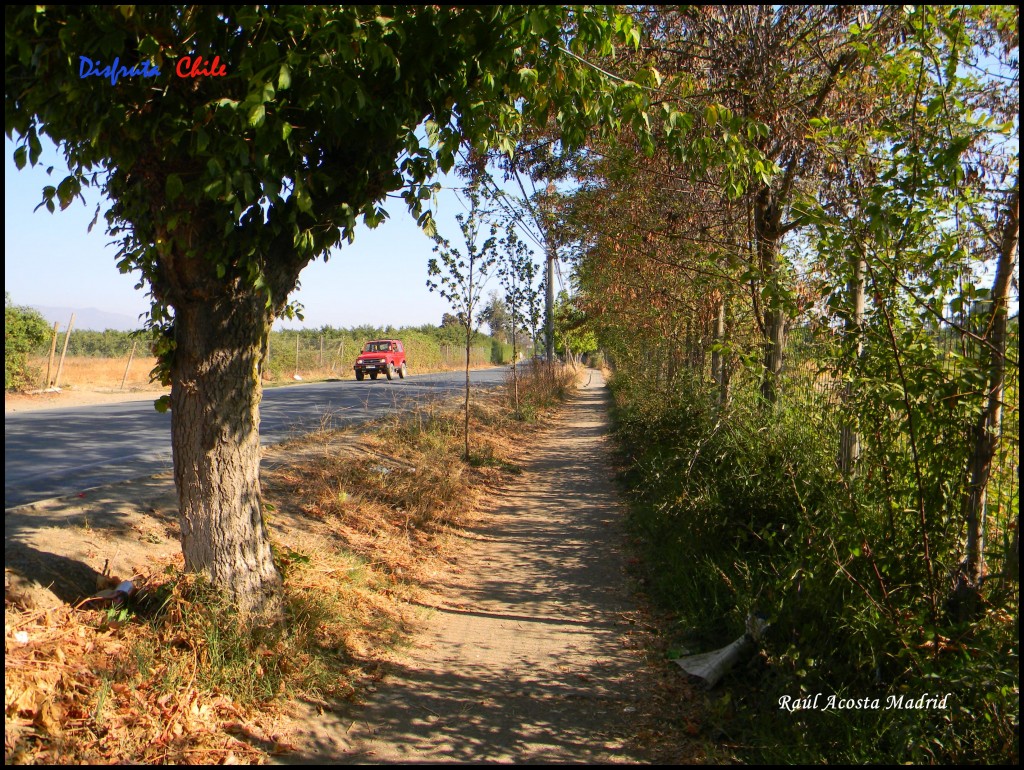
[{"x": 51, "y": 260}]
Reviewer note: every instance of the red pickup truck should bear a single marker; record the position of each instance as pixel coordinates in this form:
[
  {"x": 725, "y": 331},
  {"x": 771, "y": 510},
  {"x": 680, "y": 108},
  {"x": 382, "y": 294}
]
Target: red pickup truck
[{"x": 387, "y": 356}]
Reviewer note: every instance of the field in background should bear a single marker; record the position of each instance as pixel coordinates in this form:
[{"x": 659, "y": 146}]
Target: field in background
[
  {"x": 113, "y": 361},
  {"x": 104, "y": 374},
  {"x": 108, "y": 374}
]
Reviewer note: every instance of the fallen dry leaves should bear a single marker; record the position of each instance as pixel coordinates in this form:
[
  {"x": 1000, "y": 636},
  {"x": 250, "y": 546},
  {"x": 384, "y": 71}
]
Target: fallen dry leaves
[
  {"x": 90, "y": 685},
  {"x": 64, "y": 703}
]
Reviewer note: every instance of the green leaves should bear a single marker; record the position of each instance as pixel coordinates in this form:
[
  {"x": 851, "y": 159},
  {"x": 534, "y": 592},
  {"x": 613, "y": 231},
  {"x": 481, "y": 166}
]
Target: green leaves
[
  {"x": 35, "y": 148},
  {"x": 527, "y": 77},
  {"x": 303, "y": 134},
  {"x": 284, "y": 78},
  {"x": 257, "y": 115},
  {"x": 149, "y": 47},
  {"x": 173, "y": 187},
  {"x": 427, "y": 224},
  {"x": 711, "y": 115},
  {"x": 25, "y": 330}
]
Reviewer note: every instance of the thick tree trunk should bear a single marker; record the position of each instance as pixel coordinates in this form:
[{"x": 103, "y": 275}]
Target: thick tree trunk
[
  {"x": 774, "y": 346},
  {"x": 215, "y": 396}
]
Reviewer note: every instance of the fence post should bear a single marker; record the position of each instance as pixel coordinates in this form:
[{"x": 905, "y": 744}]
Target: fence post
[
  {"x": 130, "y": 357},
  {"x": 64, "y": 352},
  {"x": 53, "y": 350},
  {"x": 339, "y": 357}
]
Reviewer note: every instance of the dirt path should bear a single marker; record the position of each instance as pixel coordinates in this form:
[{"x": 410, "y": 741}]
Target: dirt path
[{"x": 528, "y": 654}]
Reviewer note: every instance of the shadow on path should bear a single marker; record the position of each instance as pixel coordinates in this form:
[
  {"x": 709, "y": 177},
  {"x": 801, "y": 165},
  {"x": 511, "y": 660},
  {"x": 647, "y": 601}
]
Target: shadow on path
[{"x": 529, "y": 657}]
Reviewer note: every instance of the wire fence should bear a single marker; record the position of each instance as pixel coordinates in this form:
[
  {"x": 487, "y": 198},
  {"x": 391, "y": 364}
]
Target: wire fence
[
  {"x": 298, "y": 356},
  {"x": 121, "y": 361}
]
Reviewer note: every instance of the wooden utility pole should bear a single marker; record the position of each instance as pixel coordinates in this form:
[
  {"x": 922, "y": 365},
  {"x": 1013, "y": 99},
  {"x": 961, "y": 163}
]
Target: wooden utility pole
[
  {"x": 64, "y": 352},
  {"x": 53, "y": 350}
]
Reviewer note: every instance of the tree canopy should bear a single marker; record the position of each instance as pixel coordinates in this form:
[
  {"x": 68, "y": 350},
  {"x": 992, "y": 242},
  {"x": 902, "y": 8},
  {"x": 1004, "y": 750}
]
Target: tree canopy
[
  {"x": 237, "y": 144},
  {"x": 847, "y": 458},
  {"x": 317, "y": 117}
]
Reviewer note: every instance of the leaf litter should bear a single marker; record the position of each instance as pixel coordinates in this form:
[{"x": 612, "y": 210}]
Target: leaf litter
[{"x": 117, "y": 679}]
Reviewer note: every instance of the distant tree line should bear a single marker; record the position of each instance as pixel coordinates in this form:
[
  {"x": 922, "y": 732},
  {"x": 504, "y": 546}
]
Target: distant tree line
[
  {"x": 28, "y": 335},
  {"x": 113, "y": 343}
]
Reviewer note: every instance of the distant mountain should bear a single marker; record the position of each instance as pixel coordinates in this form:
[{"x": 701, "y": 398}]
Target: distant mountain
[{"x": 89, "y": 318}]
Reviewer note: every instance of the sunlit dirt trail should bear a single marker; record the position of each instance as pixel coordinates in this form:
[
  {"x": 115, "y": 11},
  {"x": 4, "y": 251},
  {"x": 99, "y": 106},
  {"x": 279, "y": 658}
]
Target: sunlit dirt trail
[{"x": 528, "y": 655}]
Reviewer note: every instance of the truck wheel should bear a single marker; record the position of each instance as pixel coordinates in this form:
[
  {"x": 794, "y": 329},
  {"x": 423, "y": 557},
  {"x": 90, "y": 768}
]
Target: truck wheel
[
  {"x": 373, "y": 375},
  {"x": 402, "y": 371},
  {"x": 359, "y": 376},
  {"x": 390, "y": 371}
]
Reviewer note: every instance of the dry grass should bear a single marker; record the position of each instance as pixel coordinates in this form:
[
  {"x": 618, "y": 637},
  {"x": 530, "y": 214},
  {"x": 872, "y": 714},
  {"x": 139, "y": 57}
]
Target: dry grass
[
  {"x": 361, "y": 522},
  {"x": 84, "y": 686},
  {"x": 88, "y": 372},
  {"x": 106, "y": 374}
]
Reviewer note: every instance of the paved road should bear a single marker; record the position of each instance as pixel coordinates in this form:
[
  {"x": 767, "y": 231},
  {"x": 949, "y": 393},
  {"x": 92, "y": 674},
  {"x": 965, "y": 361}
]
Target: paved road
[{"x": 63, "y": 451}]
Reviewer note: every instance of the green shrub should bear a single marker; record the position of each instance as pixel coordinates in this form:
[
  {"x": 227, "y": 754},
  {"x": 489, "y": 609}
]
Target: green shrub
[
  {"x": 743, "y": 509},
  {"x": 501, "y": 352},
  {"x": 24, "y": 331}
]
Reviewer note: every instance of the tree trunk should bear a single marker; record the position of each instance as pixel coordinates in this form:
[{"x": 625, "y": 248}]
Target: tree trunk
[
  {"x": 699, "y": 358},
  {"x": 515, "y": 369},
  {"x": 718, "y": 371},
  {"x": 469, "y": 341},
  {"x": 215, "y": 396},
  {"x": 986, "y": 430},
  {"x": 672, "y": 358},
  {"x": 549, "y": 308},
  {"x": 688, "y": 354},
  {"x": 849, "y": 439},
  {"x": 767, "y": 234}
]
